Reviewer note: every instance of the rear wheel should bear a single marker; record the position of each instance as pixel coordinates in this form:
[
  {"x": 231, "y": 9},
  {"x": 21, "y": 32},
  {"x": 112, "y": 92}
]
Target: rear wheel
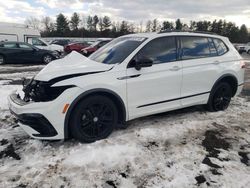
[
  {"x": 2, "y": 60},
  {"x": 94, "y": 118},
  {"x": 220, "y": 97},
  {"x": 47, "y": 58}
]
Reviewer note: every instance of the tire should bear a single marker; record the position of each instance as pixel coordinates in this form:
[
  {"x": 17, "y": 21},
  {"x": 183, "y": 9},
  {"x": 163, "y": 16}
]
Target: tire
[
  {"x": 2, "y": 60},
  {"x": 248, "y": 52},
  {"x": 220, "y": 97},
  {"x": 47, "y": 58},
  {"x": 94, "y": 118}
]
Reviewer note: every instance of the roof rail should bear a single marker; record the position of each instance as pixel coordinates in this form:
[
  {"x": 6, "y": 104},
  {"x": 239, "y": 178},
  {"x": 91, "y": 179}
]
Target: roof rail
[{"x": 188, "y": 31}]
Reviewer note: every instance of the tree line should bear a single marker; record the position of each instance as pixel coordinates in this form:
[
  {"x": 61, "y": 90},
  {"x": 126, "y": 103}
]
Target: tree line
[{"x": 96, "y": 26}]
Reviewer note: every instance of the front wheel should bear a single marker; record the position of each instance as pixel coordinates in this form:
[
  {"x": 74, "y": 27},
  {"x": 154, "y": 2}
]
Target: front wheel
[
  {"x": 47, "y": 58},
  {"x": 94, "y": 118},
  {"x": 220, "y": 97}
]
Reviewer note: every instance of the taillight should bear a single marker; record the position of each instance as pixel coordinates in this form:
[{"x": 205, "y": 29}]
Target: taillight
[{"x": 242, "y": 64}]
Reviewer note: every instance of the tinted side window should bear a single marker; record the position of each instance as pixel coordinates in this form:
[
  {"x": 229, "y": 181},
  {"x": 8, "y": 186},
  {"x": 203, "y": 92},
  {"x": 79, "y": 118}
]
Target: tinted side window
[
  {"x": 220, "y": 46},
  {"x": 10, "y": 45},
  {"x": 24, "y": 46},
  {"x": 194, "y": 47},
  {"x": 160, "y": 50}
]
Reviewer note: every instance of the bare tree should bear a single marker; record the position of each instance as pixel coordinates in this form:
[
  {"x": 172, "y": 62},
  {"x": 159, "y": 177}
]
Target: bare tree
[
  {"x": 47, "y": 24},
  {"x": 33, "y": 22}
]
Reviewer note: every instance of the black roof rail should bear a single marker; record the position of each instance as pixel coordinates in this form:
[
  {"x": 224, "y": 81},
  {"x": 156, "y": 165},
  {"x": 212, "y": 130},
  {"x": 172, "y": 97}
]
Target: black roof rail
[
  {"x": 170, "y": 30},
  {"x": 174, "y": 30}
]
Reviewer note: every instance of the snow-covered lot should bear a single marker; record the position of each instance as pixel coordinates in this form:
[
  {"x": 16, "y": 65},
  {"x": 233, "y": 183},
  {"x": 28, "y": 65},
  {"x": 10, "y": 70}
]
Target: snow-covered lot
[{"x": 184, "y": 148}]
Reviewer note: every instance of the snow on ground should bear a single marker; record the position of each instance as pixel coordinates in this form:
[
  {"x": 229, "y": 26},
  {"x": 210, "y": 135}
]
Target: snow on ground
[{"x": 184, "y": 148}]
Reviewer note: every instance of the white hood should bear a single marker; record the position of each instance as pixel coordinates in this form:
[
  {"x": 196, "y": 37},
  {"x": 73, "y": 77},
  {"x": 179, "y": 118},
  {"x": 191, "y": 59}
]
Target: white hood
[
  {"x": 74, "y": 63},
  {"x": 55, "y": 47}
]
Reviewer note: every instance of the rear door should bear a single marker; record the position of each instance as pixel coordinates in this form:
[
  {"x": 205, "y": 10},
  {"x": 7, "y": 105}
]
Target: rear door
[
  {"x": 11, "y": 52},
  {"x": 155, "y": 89},
  {"x": 200, "y": 68}
]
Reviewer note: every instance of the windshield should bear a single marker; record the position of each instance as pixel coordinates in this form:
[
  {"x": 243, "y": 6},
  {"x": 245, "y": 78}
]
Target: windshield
[{"x": 117, "y": 50}]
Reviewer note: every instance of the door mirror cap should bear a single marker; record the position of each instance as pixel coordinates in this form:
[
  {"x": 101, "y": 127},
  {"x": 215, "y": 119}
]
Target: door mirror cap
[{"x": 146, "y": 62}]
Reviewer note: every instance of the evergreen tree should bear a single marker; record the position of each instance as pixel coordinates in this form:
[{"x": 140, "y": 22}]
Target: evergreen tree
[
  {"x": 217, "y": 27},
  {"x": 124, "y": 28},
  {"x": 192, "y": 25},
  {"x": 90, "y": 23},
  {"x": 178, "y": 24},
  {"x": 203, "y": 26},
  {"x": 75, "y": 21},
  {"x": 243, "y": 34},
  {"x": 106, "y": 22},
  {"x": 166, "y": 25},
  {"x": 62, "y": 25},
  {"x": 95, "y": 22}
]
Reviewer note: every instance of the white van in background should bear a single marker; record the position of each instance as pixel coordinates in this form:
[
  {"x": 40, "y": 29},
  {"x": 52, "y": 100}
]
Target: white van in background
[{"x": 23, "y": 33}]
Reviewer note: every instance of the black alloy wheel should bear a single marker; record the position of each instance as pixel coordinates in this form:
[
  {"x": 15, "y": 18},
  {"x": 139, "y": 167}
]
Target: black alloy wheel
[
  {"x": 47, "y": 58},
  {"x": 220, "y": 97},
  {"x": 94, "y": 118}
]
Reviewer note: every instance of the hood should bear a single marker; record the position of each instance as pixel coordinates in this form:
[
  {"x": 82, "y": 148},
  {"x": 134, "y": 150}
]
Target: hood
[
  {"x": 56, "y": 47},
  {"x": 72, "y": 64}
]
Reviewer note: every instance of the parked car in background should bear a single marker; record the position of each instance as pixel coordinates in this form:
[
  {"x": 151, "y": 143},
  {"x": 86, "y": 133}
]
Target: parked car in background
[
  {"x": 133, "y": 76},
  {"x": 20, "y": 52},
  {"x": 243, "y": 48},
  {"x": 93, "y": 47},
  {"x": 61, "y": 42},
  {"x": 77, "y": 46},
  {"x": 41, "y": 44}
]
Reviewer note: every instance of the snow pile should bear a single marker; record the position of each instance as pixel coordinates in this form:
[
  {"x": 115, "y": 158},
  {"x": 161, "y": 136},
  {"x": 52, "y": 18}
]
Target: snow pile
[{"x": 184, "y": 148}]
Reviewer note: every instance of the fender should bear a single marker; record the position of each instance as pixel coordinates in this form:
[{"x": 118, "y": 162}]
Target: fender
[
  {"x": 224, "y": 76},
  {"x": 81, "y": 96}
]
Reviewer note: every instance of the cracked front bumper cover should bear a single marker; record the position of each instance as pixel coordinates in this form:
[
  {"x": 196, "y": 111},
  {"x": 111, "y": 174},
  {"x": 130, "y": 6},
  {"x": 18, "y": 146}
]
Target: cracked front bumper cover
[{"x": 33, "y": 120}]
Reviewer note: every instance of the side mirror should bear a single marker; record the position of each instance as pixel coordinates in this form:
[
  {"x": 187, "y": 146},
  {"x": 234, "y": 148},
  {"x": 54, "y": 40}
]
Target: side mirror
[{"x": 143, "y": 63}]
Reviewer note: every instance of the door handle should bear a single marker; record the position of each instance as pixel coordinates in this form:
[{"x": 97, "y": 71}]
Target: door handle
[{"x": 175, "y": 68}]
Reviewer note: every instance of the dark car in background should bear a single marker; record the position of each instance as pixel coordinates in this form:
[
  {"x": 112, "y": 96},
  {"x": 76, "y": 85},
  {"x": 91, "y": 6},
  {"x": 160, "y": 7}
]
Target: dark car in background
[
  {"x": 93, "y": 47},
  {"x": 77, "y": 46},
  {"x": 20, "y": 52},
  {"x": 61, "y": 42}
]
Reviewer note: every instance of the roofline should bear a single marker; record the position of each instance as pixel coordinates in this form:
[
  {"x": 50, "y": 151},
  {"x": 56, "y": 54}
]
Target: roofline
[{"x": 199, "y": 32}]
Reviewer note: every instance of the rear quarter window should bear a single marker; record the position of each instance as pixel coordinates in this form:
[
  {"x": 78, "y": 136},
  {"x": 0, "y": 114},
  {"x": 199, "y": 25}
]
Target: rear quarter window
[{"x": 220, "y": 46}]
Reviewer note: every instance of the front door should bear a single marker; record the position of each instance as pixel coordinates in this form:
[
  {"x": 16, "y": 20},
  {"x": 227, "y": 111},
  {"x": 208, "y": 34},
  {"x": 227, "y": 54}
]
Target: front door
[{"x": 157, "y": 88}]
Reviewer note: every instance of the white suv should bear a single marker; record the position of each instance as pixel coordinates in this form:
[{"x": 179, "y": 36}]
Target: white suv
[{"x": 132, "y": 76}]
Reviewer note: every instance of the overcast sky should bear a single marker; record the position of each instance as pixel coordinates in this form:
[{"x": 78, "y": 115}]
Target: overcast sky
[{"x": 237, "y": 11}]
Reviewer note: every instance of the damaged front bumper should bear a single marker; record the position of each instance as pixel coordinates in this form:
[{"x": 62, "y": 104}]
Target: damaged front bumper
[{"x": 42, "y": 120}]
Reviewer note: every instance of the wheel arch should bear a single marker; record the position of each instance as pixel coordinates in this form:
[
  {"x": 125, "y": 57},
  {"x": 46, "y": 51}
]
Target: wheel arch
[
  {"x": 230, "y": 79},
  {"x": 106, "y": 92}
]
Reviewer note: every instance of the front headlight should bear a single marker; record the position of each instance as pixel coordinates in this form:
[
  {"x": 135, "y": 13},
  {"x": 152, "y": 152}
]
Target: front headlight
[{"x": 39, "y": 91}]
